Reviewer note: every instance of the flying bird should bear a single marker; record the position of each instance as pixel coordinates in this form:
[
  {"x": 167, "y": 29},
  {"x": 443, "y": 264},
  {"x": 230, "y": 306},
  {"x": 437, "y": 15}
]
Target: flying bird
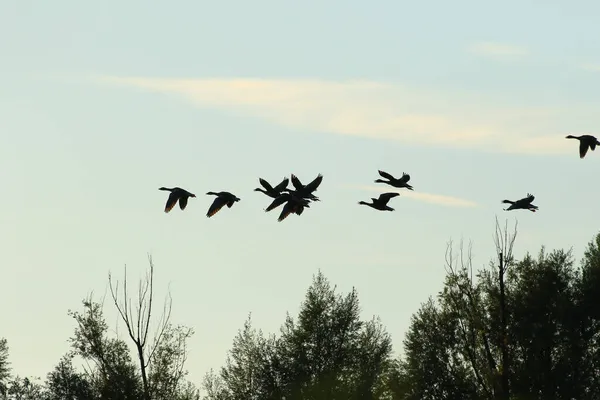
[
  {"x": 271, "y": 191},
  {"x": 293, "y": 205},
  {"x": 585, "y": 142},
  {"x": 223, "y": 198},
  {"x": 296, "y": 204},
  {"x": 177, "y": 194},
  {"x": 522, "y": 204},
  {"x": 381, "y": 202},
  {"x": 399, "y": 183},
  {"x": 305, "y": 191}
]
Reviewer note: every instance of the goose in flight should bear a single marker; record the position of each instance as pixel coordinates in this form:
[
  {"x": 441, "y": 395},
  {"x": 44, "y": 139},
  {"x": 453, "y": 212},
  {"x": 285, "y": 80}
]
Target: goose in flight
[
  {"x": 305, "y": 191},
  {"x": 585, "y": 142},
  {"x": 177, "y": 194},
  {"x": 293, "y": 205},
  {"x": 399, "y": 183},
  {"x": 522, "y": 204},
  {"x": 381, "y": 202},
  {"x": 271, "y": 191},
  {"x": 287, "y": 198},
  {"x": 223, "y": 198}
]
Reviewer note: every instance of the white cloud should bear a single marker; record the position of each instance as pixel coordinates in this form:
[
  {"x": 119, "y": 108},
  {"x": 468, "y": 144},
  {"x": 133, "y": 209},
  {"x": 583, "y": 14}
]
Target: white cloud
[
  {"x": 591, "y": 67},
  {"x": 497, "y": 50},
  {"x": 373, "y": 109},
  {"x": 420, "y": 196}
]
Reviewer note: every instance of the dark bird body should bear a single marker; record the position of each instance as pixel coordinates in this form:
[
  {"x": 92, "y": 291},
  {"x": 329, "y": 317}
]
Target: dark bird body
[
  {"x": 177, "y": 194},
  {"x": 271, "y": 191},
  {"x": 293, "y": 204},
  {"x": 305, "y": 191},
  {"x": 522, "y": 204},
  {"x": 585, "y": 142},
  {"x": 398, "y": 183},
  {"x": 223, "y": 198},
  {"x": 381, "y": 202}
]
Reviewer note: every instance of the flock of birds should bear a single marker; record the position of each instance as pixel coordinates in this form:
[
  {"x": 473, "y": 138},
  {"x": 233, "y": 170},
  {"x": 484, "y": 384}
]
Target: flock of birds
[{"x": 297, "y": 199}]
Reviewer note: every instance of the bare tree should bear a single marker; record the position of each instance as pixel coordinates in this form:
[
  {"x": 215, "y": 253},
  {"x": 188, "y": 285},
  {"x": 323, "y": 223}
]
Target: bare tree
[
  {"x": 476, "y": 333},
  {"x": 504, "y": 247},
  {"x": 137, "y": 315}
]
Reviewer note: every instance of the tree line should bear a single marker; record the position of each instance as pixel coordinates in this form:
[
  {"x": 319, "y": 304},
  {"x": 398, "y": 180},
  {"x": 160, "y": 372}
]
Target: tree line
[{"x": 515, "y": 329}]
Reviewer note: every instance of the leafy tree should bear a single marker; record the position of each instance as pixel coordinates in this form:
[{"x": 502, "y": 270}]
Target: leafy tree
[
  {"x": 515, "y": 330},
  {"x": 4, "y": 366},
  {"x": 327, "y": 353}
]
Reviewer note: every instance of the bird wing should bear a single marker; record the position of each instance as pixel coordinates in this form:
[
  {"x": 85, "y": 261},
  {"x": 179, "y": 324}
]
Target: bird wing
[
  {"x": 287, "y": 210},
  {"x": 283, "y": 185},
  {"x": 296, "y": 182},
  {"x": 216, "y": 206},
  {"x": 277, "y": 202},
  {"x": 311, "y": 187},
  {"x": 385, "y": 197},
  {"x": 583, "y": 148},
  {"x": 529, "y": 198},
  {"x": 405, "y": 178},
  {"x": 386, "y": 175},
  {"x": 183, "y": 200},
  {"x": 265, "y": 184},
  {"x": 593, "y": 146},
  {"x": 171, "y": 201}
]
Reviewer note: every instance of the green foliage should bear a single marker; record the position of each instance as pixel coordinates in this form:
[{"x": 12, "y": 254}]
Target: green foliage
[
  {"x": 4, "y": 366},
  {"x": 327, "y": 353},
  {"x": 454, "y": 345}
]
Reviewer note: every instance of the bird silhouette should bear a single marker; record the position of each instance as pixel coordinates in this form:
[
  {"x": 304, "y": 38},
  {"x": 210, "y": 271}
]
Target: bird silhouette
[
  {"x": 271, "y": 191},
  {"x": 585, "y": 142},
  {"x": 177, "y": 194},
  {"x": 399, "y": 183},
  {"x": 381, "y": 202},
  {"x": 305, "y": 191},
  {"x": 521, "y": 204},
  {"x": 223, "y": 198}
]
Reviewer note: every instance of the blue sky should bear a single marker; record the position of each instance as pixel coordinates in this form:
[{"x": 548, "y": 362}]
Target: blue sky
[{"x": 102, "y": 104}]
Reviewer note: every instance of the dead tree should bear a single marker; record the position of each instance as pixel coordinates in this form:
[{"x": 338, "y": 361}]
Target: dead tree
[
  {"x": 475, "y": 332},
  {"x": 137, "y": 320},
  {"x": 504, "y": 247}
]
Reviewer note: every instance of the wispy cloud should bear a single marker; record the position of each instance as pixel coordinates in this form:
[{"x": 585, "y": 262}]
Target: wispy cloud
[
  {"x": 420, "y": 196},
  {"x": 591, "y": 67},
  {"x": 497, "y": 50},
  {"x": 373, "y": 109}
]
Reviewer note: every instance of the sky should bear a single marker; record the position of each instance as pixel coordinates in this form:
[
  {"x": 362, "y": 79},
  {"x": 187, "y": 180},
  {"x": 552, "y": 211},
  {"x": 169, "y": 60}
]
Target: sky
[{"x": 103, "y": 103}]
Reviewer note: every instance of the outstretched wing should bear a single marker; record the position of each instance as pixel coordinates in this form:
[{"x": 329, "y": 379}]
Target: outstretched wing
[
  {"x": 311, "y": 187},
  {"x": 171, "y": 201},
  {"x": 283, "y": 185},
  {"x": 277, "y": 202},
  {"x": 583, "y": 148},
  {"x": 296, "y": 182},
  {"x": 405, "y": 178},
  {"x": 529, "y": 198},
  {"x": 386, "y": 175},
  {"x": 265, "y": 184},
  {"x": 385, "y": 197},
  {"x": 216, "y": 206},
  {"x": 287, "y": 210},
  {"x": 183, "y": 200}
]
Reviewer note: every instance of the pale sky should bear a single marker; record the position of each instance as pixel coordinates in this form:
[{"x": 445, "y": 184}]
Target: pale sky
[{"x": 103, "y": 103}]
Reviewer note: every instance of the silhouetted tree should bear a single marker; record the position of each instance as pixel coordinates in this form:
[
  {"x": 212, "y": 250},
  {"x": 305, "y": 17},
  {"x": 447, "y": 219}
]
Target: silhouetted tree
[
  {"x": 4, "y": 366},
  {"x": 518, "y": 330},
  {"x": 327, "y": 353}
]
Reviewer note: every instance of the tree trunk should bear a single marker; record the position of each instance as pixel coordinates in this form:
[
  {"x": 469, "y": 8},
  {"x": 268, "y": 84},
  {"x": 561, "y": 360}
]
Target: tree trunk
[{"x": 504, "y": 344}]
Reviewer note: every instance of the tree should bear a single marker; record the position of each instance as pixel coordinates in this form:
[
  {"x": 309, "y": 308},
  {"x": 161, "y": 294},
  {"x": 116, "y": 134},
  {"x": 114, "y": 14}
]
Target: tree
[
  {"x": 519, "y": 330},
  {"x": 4, "y": 366},
  {"x": 161, "y": 362},
  {"x": 328, "y": 352}
]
